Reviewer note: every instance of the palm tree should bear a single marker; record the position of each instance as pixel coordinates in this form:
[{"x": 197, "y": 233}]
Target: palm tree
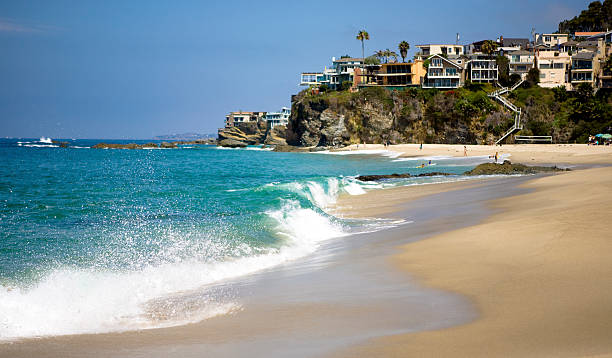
[
  {"x": 389, "y": 53},
  {"x": 362, "y": 36},
  {"x": 403, "y": 48},
  {"x": 488, "y": 47},
  {"x": 380, "y": 54}
]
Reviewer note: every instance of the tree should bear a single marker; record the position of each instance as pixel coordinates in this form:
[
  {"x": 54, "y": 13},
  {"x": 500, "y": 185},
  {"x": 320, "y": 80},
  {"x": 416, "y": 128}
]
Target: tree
[
  {"x": 504, "y": 70},
  {"x": 362, "y": 36},
  {"x": 388, "y": 54},
  {"x": 597, "y": 17},
  {"x": 403, "y": 49},
  {"x": 380, "y": 54},
  {"x": 372, "y": 60},
  {"x": 488, "y": 47},
  {"x": 533, "y": 77}
]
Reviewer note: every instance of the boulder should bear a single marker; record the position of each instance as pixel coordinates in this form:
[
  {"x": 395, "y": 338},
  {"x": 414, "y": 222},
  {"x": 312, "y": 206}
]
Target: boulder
[
  {"x": 232, "y": 143},
  {"x": 508, "y": 168},
  {"x": 168, "y": 145}
]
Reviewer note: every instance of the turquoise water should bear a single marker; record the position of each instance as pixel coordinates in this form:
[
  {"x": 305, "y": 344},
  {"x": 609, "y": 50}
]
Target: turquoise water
[{"x": 89, "y": 237}]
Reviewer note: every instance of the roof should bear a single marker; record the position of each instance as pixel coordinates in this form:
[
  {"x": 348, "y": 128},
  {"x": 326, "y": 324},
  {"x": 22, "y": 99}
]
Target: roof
[
  {"x": 587, "y": 33},
  {"x": 510, "y": 41},
  {"x": 520, "y": 52},
  {"x": 584, "y": 55},
  {"x": 348, "y": 59},
  {"x": 445, "y": 59},
  {"x": 479, "y": 43},
  {"x": 570, "y": 43},
  {"x": 451, "y": 45}
]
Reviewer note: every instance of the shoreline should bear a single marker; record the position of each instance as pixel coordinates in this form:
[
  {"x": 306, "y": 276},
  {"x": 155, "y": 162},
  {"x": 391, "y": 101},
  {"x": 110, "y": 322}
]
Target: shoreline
[
  {"x": 536, "y": 269},
  {"x": 225, "y": 334},
  {"x": 580, "y": 155},
  {"x": 346, "y": 294}
]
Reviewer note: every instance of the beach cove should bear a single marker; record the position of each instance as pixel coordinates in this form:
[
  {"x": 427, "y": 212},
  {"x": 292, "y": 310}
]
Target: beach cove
[{"x": 358, "y": 294}]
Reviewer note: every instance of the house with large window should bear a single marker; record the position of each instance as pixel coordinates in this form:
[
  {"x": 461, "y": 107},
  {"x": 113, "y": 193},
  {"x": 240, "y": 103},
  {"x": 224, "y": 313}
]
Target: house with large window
[
  {"x": 443, "y": 73},
  {"x": 342, "y": 70},
  {"x": 280, "y": 118},
  {"x": 520, "y": 62},
  {"x": 481, "y": 68},
  {"x": 551, "y": 40},
  {"x": 554, "y": 67},
  {"x": 585, "y": 68},
  {"x": 391, "y": 75}
]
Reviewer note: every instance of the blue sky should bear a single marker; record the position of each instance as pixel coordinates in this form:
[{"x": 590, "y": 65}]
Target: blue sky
[{"x": 136, "y": 69}]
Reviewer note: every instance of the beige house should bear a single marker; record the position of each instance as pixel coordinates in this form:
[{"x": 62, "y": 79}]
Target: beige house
[
  {"x": 551, "y": 40},
  {"x": 554, "y": 69}
]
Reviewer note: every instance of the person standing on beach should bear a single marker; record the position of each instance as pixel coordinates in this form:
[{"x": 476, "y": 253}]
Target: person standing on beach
[
  {"x": 495, "y": 157},
  {"x": 421, "y": 147},
  {"x": 464, "y": 151}
]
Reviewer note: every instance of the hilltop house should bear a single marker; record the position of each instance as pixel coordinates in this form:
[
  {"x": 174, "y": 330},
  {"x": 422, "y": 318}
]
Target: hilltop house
[
  {"x": 443, "y": 73},
  {"x": 234, "y": 118},
  {"x": 390, "y": 75},
  {"x": 342, "y": 70},
  {"x": 426, "y": 51},
  {"x": 520, "y": 62},
  {"x": 554, "y": 68},
  {"x": 278, "y": 118},
  {"x": 585, "y": 68},
  {"x": 551, "y": 40}
]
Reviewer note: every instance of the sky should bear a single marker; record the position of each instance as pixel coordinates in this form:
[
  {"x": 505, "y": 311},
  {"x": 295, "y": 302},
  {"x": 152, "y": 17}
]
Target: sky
[{"x": 138, "y": 69}]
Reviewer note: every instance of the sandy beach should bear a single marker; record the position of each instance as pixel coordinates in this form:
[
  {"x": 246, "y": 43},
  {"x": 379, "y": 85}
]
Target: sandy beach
[
  {"x": 538, "y": 270},
  {"x": 507, "y": 266},
  {"x": 575, "y": 154}
]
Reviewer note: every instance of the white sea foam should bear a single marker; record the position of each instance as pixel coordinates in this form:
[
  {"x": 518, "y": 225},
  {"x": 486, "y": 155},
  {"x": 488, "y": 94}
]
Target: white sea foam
[{"x": 75, "y": 301}]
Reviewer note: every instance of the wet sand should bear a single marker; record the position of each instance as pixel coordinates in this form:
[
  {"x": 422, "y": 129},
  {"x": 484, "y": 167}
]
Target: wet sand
[
  {"x": 346, "y": 294},
  {"x": 539, "y": 272},
  {"x": 576, "y": 154}
]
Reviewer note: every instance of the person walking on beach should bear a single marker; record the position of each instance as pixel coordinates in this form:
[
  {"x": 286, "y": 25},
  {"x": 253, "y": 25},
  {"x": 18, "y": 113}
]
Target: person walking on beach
[
  {"x": 495, "y": 157},
  {"x": 421, "y": 147},
  {"x": 464, "y": 151}
]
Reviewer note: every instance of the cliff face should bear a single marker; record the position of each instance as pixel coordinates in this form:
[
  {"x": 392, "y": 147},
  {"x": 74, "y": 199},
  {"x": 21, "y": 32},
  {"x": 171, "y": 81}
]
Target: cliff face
[{"x": 375, "y": 115}]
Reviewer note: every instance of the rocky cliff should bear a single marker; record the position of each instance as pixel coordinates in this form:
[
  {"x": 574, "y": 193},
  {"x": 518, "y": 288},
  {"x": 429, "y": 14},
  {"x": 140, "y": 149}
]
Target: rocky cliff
[
  {"x": 464, "y": 115},
  {"x": 253, "y": 133},
  {"x": 376, "y": 115}
]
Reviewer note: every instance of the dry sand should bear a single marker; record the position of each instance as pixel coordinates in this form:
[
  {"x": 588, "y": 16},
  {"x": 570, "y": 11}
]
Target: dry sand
[
  {"x": 520, "y": 153},
  {"x": 540, "y": 272}
]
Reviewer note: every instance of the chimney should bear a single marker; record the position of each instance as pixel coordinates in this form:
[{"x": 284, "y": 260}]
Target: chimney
[{"x": 501, "y": 40}]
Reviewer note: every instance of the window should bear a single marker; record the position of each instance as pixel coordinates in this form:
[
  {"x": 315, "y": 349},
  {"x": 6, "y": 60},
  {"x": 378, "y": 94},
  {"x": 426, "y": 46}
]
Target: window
[
  {"x": 436, "y": 62},
  {"x": 545, "y": 66},
  {"x": 542, "y": 75},
  {"x": 547, "y": 38},
  {"x": 451, "y": 71},
  {"x": 558, "y": 66}
]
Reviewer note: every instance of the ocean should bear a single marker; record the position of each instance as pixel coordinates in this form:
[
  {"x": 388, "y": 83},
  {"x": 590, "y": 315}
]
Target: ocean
[{"x": 90, "y": 239}]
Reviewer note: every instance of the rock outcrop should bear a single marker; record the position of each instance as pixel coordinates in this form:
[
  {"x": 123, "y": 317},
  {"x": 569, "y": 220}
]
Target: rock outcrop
[
  {"x": 276, "y": 136},
  {"x": 168, "y": 145},
  {"x": 507, "y": 168},
  {"x": 399, "y": 176},
  {"x": 251, "y": 133},
  {"x": 232, "y": 143}
]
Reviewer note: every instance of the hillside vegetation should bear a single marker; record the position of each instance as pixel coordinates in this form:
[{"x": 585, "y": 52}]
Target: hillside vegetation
[{"x": 464, "y": 115}]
